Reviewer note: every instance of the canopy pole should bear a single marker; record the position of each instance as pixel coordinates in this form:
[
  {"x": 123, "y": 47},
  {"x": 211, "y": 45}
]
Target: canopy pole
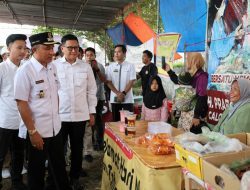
[
  {"x": 105, "y": 47},
  {"x": 123, "y": 32},
  {"x": 185, "y": 56},
  {"x": 158, "y": 30},
  {"x": 158, "y": 16}
]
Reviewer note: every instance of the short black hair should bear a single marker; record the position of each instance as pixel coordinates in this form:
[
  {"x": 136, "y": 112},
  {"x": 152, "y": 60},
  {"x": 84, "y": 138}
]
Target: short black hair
[
  {"x": 90, "y": 49},
  {"x": 13, "y": 37},
  {"x": 68, "y": 37},
  {"x": 124, "y": 49},
  {"x": 59, "y": 50},
  {"x": 149, "y": 53},
  {"x": 80, "y": 50}
]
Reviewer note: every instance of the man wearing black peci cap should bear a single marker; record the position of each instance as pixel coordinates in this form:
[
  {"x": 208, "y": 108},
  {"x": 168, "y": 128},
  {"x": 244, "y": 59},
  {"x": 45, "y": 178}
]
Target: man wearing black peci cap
[
  {"x": 35, "y": 90},
  {"x": 9, "y": 116}
]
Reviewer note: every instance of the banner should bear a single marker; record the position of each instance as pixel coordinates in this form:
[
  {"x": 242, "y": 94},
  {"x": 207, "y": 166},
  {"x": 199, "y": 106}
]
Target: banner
[
  {"x": 217, "y": 102},
  {"x": 166, "y": 46},
  {"x": 123, "y": 170},
  {"x": 228, "y": 38}
]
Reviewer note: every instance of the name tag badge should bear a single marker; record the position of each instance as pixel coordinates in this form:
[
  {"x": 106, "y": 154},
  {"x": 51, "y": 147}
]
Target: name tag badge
[
  {"x": 116, "y": 71},
  {"x": 41, "y": 94},
  {"x": 146, "y": 72},
  {"x": 39, "y": 81}
]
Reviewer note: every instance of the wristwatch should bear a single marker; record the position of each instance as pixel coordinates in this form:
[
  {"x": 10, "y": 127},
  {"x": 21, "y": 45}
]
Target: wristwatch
[
  {"x": 32, "y": 132},
  {"x": 124, "y": 93}
]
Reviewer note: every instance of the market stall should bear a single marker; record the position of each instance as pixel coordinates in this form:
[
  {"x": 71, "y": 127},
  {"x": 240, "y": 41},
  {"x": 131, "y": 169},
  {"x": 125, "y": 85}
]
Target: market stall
[{"x": 128, "y": 165}]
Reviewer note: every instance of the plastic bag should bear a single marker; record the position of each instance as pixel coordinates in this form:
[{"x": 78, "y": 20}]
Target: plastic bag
[
  {"x": 159, "y": 127},
  {"x": 229, "y": 145},
  {"x": 195, "y": 147},
  {"x": 191, "y": 137},
  {"x": 184, "y": 99},
  {"x": 144, "y": 139},
  {"x": 245, "y": 181},
  {"x": 161, "y": 144}
]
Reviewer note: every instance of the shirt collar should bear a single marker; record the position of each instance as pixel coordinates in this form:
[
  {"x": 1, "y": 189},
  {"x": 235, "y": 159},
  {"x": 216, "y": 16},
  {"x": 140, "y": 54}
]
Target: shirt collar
[
  {"x": 63, "y": 60},
  {"x": 123, "y": 63},
  {"x": 11, "y": 64},
  {"x": 37, "y": 65}
]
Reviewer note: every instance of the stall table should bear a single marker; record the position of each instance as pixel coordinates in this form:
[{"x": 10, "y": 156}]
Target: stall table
[{"x": 128, "y": 166}]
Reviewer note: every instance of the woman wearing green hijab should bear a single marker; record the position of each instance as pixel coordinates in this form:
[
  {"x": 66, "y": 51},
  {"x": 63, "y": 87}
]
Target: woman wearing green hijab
[{"x": 236, "y": 118}]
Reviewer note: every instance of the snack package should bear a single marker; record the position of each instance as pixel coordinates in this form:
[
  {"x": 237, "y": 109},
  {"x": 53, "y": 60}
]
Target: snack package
[
  {"x": 144, "y": 139},
  {"x": 161, "y": 144}
]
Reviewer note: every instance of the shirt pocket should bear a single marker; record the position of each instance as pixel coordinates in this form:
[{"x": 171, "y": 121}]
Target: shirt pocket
[
  {"x": 40, "y": 91},
  {"x": 62, "y": 79},
  {"x": 125, "y": 74},
  {"x": 80, "y": 79}
]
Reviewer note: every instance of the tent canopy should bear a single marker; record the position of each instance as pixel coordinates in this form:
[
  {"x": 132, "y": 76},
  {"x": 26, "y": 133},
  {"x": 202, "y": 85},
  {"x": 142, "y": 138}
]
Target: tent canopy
[
  {"x": 71, "y": 14},
  {"x": 187, "y": 18}
]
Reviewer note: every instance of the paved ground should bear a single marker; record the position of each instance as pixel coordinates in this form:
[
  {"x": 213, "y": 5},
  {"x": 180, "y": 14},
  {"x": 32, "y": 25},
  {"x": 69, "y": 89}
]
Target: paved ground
[{"x": 94, "y": 171}]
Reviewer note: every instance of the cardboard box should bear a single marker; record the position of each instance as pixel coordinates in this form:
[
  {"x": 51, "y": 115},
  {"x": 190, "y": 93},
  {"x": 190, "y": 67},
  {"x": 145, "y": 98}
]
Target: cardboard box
[
  {"x": 217, "y": 178},
  {"x": 190, "y": 160},
  {"x": 193, "y": 161}
]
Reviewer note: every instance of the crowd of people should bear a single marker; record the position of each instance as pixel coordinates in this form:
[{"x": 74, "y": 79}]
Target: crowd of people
[{"x": 49, "y": 100}]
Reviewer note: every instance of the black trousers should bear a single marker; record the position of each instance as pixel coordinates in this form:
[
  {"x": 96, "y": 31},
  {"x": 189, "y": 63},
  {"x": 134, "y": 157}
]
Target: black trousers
[
  {"x": 53, "y": 151},
  {"x": 9, "y": 140},
  {"x": 116, "y": 110},
  {"x": 99, "y": 127},
  {"x": 75, "y": 131}
]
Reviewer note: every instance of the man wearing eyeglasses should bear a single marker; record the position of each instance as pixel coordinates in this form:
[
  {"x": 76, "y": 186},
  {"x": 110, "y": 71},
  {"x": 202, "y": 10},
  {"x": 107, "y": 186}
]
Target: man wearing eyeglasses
[{"x": 77, "y": 94}]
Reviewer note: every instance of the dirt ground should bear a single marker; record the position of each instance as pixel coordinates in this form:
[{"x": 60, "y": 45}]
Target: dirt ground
[{"x": 94, "y": 173}]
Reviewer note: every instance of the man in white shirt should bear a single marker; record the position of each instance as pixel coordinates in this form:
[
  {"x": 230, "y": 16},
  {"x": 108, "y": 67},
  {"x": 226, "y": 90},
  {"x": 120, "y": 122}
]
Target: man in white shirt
[
  {"x": 9, "y": 116},
  {"x": 77, "y": 96},
  {"x": 5, "y": 53},
  {"x": 121, "y": 76},
  {"x": 36, "y": 93}
]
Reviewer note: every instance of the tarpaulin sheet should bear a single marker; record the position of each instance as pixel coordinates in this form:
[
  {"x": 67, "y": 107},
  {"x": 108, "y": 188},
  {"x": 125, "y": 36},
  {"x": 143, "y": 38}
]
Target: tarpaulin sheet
[
  {"x": 139, "y": 27},
  {"x": 121, "y": 34},
  {"x": 187, "y": 18}
]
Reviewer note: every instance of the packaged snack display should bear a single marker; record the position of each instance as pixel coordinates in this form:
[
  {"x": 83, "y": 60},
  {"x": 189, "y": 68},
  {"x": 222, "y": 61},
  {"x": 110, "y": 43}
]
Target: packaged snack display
[{"x": 158, "y": 144}]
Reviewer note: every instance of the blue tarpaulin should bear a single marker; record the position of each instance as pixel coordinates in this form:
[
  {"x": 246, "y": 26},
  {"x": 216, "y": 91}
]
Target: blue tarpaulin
[
  {"x": 187, "y": 18},
  {"x": 116, "y": 34}
]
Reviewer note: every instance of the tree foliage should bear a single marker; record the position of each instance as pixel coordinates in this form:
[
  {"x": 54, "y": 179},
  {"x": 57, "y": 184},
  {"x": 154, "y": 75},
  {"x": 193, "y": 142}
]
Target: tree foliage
[{"x": 146, "y": 9}]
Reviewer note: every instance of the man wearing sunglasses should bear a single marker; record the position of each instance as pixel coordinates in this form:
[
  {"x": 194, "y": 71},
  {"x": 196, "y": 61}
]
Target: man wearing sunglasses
[{"x": 77, "y": 94}]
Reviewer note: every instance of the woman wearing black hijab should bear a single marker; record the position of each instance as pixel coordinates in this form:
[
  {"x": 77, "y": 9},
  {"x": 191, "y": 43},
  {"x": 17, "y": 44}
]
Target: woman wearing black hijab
[{"x": 154, "y": 107}]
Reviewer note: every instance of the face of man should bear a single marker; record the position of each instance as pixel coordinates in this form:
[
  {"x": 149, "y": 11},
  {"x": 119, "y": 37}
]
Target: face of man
[
  {"x": 17, "y": 50},
  {"x": 44, "y": 53},
  {"x": 27, "y": 54},
  {"x": 145, "y": 59},
  {"x": 89, "y": 56},
  {"x": 80, "y": 55},
  {"x": 5, "y": 56},
  {"x": 119, "y": 56},
  {"x": 70, "y": 50}
]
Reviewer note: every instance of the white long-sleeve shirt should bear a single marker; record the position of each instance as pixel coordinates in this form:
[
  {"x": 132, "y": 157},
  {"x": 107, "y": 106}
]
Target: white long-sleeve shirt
[
  {"x": 9, "y": 115},
  {"x": 77, "y": 92}
]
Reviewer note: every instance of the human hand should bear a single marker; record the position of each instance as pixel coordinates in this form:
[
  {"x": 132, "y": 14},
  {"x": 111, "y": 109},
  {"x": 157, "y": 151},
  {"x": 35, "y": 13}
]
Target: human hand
[
  {"x": 239, "y": 32},
  {"x": 36, "y": 141},
  {"x": 91, "y": 120},
  {"x": 120, "y": 97},
  {"x": 195, "y": 122},
  {"x": 167, "y": 68},
  {"x": 94, "y": 65}
]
